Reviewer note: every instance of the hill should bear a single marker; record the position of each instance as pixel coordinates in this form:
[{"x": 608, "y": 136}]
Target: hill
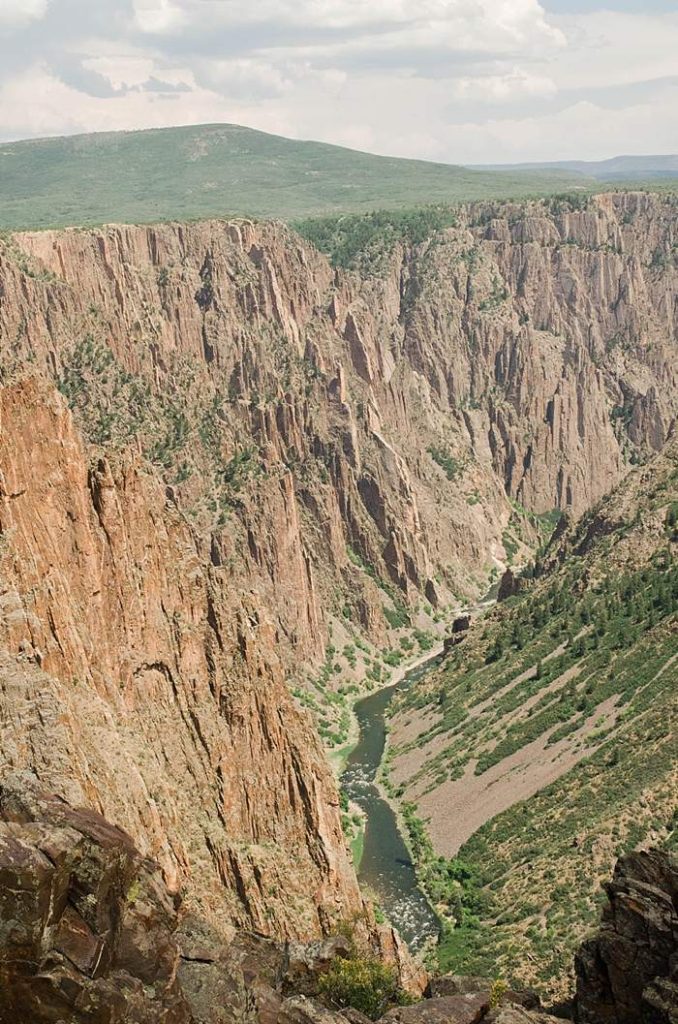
[
  {"x": 222, "y": 170},
  {"x": 618, "y": 169},
  {"x": 543, "y": 747}
]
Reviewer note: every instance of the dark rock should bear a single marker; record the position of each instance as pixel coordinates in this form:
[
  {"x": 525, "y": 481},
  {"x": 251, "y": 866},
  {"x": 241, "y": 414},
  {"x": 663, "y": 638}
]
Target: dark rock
[
  {"x": 526, "y": 997},
  {"x": 624, "y": 974},
  {"x": 225, "y": 983},
  {"x": 86, "y": 925},
  {"x": 456, "y": 1009},
  {"x": 78, "y": 942},
  {"x": 660, "y": 1000},
  {"x": 509, "y": 585},
  {"x": 460, "y": 628}
]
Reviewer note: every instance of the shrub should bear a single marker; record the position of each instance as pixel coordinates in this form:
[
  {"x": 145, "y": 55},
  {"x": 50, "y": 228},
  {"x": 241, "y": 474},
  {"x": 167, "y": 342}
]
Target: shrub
[
  {"x": 451, "y": 466},
  {"x": 364, "y": 984},
  {"x": 497, "y": 991},
  {"x": 396, "y": 617}
]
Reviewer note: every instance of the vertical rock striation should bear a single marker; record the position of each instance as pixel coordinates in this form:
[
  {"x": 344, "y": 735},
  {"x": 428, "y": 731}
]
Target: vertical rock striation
[{"x": 212, "y": 442}]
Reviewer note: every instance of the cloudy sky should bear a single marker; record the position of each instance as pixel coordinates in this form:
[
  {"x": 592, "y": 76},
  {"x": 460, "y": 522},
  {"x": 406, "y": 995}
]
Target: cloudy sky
[{"x": 463, "y": 81}]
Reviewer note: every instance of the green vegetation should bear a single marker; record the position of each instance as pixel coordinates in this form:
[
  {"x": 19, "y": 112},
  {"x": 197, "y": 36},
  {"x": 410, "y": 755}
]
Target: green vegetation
[
  {"x": 451, "y": 466},
  {"x": 583, "y": 663},
  {"x": 361, "y": 241},
  {"x": 364, "y": 983},
  {"x": 223, "y": 170}
]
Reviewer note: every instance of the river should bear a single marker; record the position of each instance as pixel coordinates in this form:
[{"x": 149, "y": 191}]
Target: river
[{"x": 385, "y": 866}]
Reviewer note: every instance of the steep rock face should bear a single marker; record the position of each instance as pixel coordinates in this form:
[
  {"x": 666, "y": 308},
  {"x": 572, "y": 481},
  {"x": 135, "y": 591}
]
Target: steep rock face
[
  {"x": 259, "y": 444},
  {"x": 533, "y": 346},
  {"x": 627, "y": 973},
  {"x": 563, "y": 327},
  {"x": 138, "y": 681}
]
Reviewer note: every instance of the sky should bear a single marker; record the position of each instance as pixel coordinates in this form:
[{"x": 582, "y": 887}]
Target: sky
[{"x": 460, "y": 81}]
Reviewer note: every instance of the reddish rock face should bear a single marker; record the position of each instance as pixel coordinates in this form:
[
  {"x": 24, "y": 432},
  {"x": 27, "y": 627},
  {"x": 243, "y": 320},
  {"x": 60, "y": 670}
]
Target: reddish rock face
[
  {"x": 140, "y": 681},
  {"x": 244, "y": 418}
]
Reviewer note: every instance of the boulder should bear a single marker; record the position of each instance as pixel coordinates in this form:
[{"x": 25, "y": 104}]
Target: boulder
[
  {"x": 465, "y": 984},
  {"x": 512, "y": 1014},
  {"x": 226, "y": 983},
  {"x": 626, "y": 973},
  {"x": 302, "y": 1010},
  {"x": 305, "y": 963},
  {"x": 86, "y": 924},
  {"x": 469, "y": 1008},
  {"x": 458, "y": 984}
]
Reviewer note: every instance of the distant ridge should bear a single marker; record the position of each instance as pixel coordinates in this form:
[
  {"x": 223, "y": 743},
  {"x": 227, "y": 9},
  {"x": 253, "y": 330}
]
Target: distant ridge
[
  {"x": 219, "y": 170},
  {"x": 617, "y": 168}
]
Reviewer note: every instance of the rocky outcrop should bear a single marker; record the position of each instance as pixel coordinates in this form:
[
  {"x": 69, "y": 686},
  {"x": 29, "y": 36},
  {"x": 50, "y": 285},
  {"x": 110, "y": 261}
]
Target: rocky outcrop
[
  {"x": 470, "y": 1008},
  {"x": 627, "y": 972},
  {"x": 509, "y": 585},
  {"x": 89, "y": 933},
  {"x": 87, "y": 928},
  {"x": 460, "y": 628}
]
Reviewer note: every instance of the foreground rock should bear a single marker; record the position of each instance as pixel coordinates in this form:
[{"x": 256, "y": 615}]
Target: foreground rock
[
  {"x": 629, "y": 971},
  {"x": 90, "y": 935},
  {"x": 86, "y": 925},
  {"x": 469, "y": 1008}
]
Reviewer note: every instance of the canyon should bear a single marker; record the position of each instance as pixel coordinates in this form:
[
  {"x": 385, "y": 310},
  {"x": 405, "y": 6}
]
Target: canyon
[{"x": 233, "y": 476}]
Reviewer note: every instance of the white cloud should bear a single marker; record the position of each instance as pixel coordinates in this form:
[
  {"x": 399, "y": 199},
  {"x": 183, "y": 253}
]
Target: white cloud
[
  {"x": 159, "y": 16},
  {"x": 18, "y": 13},
  {"x": 609, "y": 48},
  {"x": 504, "y": 88},
  {"x": 243, "y": 78},
  {"x": 454, "y": 80}
]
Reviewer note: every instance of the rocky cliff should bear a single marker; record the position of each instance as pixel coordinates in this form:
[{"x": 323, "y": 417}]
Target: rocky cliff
[
  {"x": 628, "y": 971},
  {"x": 215, "y": 449},
  {"x": 90, "y": 934}
]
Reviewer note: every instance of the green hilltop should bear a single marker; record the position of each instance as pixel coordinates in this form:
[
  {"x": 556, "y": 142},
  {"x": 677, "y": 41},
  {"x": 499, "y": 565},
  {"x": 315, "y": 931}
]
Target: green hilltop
[{"x": 223, "y": 170}]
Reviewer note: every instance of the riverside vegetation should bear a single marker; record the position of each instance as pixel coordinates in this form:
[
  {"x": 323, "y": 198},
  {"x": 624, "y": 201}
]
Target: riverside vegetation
[{"x": 579, "y": 670}]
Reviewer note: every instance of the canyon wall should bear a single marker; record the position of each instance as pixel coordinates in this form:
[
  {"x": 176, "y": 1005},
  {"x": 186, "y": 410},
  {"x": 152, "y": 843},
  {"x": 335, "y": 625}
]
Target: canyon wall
[{"x": 214, "y": 448}]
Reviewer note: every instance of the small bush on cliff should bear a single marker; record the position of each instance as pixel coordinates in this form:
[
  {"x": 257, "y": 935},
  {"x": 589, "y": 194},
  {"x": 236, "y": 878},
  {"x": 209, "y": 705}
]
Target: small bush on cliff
[{"x": 363, "y": 983}]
